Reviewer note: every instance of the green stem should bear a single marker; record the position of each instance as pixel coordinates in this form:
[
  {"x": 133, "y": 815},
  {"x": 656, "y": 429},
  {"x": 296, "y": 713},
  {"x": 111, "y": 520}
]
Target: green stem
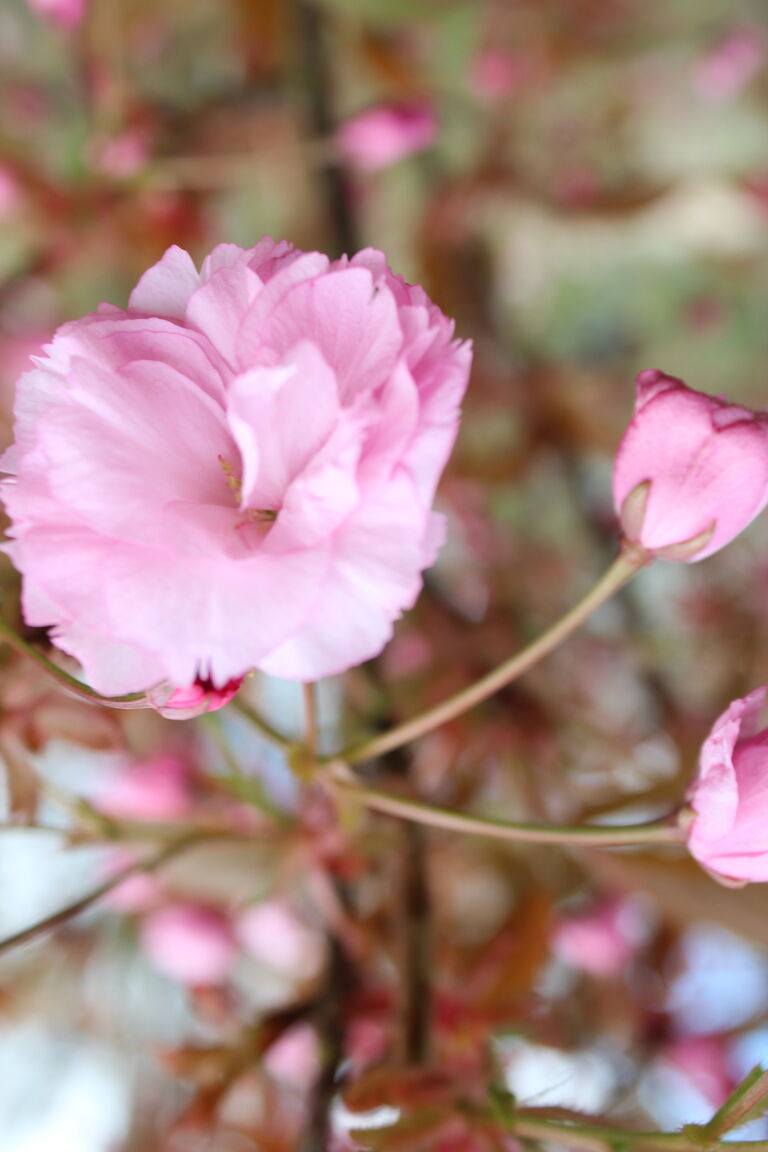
[
  {"x": 71, "y": 683},
  {"x": 181, "y": 844},
  {"x": 310, "y": 717},
  {"x": 655, "y": 832},
  {"x": 259, "y": 722},
  {"x": 596, "y": 1138},
  {"x": 750, "y": 1094},
  {"x": 628, "y": 562}
]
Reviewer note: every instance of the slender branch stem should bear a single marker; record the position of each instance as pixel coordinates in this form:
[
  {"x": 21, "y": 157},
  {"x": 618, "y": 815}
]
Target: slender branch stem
[
  {"x": 259, "y": 722},
  {"x": 416, "y": 942},
  {"x": 596, "y": 1138},
  {"x": 71, "y": 683},
  {"x": 310, "y": 718},
  {"x": 628, "y": 562},
  {"x": 49, "y": 829},
  {"x": 603, "y": 835},
  {"x": 752, "y": 1092},
  {"x": 85, "y": 902}
]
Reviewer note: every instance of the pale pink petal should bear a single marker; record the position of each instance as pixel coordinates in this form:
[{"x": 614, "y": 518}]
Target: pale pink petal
[
  {"x": 281, "y": 417},
  {"x": 217, "y": 308},
  {"x": 375, "y": 573},
  {"x": 165, "y": 289},
  {"x": 353, "y": 325},
  {"x": 108, "y": 450}
]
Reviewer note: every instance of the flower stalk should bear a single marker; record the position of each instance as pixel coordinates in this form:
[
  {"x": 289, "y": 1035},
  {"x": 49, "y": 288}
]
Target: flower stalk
[
  {"x": 654, "y": 832},
  {"x": 629, "y": 561}
]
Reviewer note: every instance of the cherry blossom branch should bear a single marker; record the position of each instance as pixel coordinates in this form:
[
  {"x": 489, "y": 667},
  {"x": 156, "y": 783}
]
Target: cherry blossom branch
[
  {"x": 310, "y": 717},
  {"x": 533, "y": 1124},
  {"x": 41, "y": 927},
  {"x": 259, "y": 722},
  {"x": 603, "y": 835},
  {"x": 71, "y": 683},
  {"x": 629, "y": 561},
  {"x": 751, "y": 1094}
]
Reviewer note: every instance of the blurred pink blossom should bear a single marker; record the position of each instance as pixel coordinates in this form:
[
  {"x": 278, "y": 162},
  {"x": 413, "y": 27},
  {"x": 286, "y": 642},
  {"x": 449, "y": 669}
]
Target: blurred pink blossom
[
  {"x": 10, "y": 193},
  {"x": 497, "y": 73},
  {"x": 600, "y": 941},
  {"x": 731, "y": 64},
  {"x": 67, "y": 13},
  {"x": 138, "y": 892},
  {"x": 155, "y": 789},
  {"x": 272, "y": 933},
  {"x": 728, "y": 833},
  {"x": 691, "y": 471},
  {"x": 123, "y": 155},
  {"x": 295, "y": 1057},
  {"x": 192, "y": 943},
  {"x": 386, "y": 134},
  {"x": 703, "y": 1061},
  {"x": 238, "y": 471}
]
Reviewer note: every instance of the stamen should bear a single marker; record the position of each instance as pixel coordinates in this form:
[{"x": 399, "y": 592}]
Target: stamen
[{"x": 235, "y": 485}]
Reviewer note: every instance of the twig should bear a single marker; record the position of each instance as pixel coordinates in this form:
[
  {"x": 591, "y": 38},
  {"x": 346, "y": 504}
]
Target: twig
[
  {"x": 605, "y": 835},
  {"x": 259, "y": 722},
  {"x": 91, "y": 898},
  {"x": 310, "y": 21},
  {"x": 417, "y": 993},
  {"x": 622, "y": 569},
  {"x": 310, "y": 718}
]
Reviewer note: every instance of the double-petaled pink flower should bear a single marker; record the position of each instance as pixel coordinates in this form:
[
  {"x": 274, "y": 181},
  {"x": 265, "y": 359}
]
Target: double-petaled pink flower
[
  {"x": 728, "y": 833},
  {"x": 237, "y": 472},
  {"x": 691, "y": 471}
]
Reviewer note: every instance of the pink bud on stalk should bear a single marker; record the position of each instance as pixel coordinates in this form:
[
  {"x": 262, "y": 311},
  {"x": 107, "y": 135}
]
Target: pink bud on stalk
[
  {"x": 691, "y": 471},
  {"x": 728, "y": 830}
]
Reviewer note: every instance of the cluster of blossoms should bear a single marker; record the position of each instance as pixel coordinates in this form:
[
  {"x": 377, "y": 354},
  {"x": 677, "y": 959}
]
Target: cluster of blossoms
[{"x": 237, "y": 472}]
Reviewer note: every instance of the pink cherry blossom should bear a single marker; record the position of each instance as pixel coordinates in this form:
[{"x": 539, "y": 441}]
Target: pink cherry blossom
[
  {"x": 600, "y": 941},
  {"x": 138, "y": 892},
  {"x": 295, "y": 1058},
  {"x": 237, "y": 472},
  {"x": 192, "y": 943},
  {"x": 731, "y": 64},
  {"x": 386, "y": 134},
  {"x": 67, "y": 13},
  {"x": 272, "y": 933},
  {"x": 155, "y": 789},
  {"x": 691, "y": 471},
  {"x": 728, "y": 833},
  {"x": 703, "y": 1061},
  {"x": 10, "y": 193}
]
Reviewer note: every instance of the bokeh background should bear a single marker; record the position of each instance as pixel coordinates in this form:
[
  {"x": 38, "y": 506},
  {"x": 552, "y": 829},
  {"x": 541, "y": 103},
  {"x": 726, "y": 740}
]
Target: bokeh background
[{"x": 583, "y": 185}]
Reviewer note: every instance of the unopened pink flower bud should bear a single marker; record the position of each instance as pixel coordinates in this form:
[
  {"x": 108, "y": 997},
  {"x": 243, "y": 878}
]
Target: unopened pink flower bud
[
  {"x": 155, "y": 789},
  {"x": 691, "y": 471},
  {"x": 386, "y": 134},
  {"x": 186, "y": 703},
  {"x": 192, "y": 943},
  {"x": 728, "y": 832}
]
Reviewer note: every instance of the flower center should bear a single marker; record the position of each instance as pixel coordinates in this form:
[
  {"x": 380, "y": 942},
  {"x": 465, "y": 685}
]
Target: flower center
[{"x": 235, "y": 485}]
